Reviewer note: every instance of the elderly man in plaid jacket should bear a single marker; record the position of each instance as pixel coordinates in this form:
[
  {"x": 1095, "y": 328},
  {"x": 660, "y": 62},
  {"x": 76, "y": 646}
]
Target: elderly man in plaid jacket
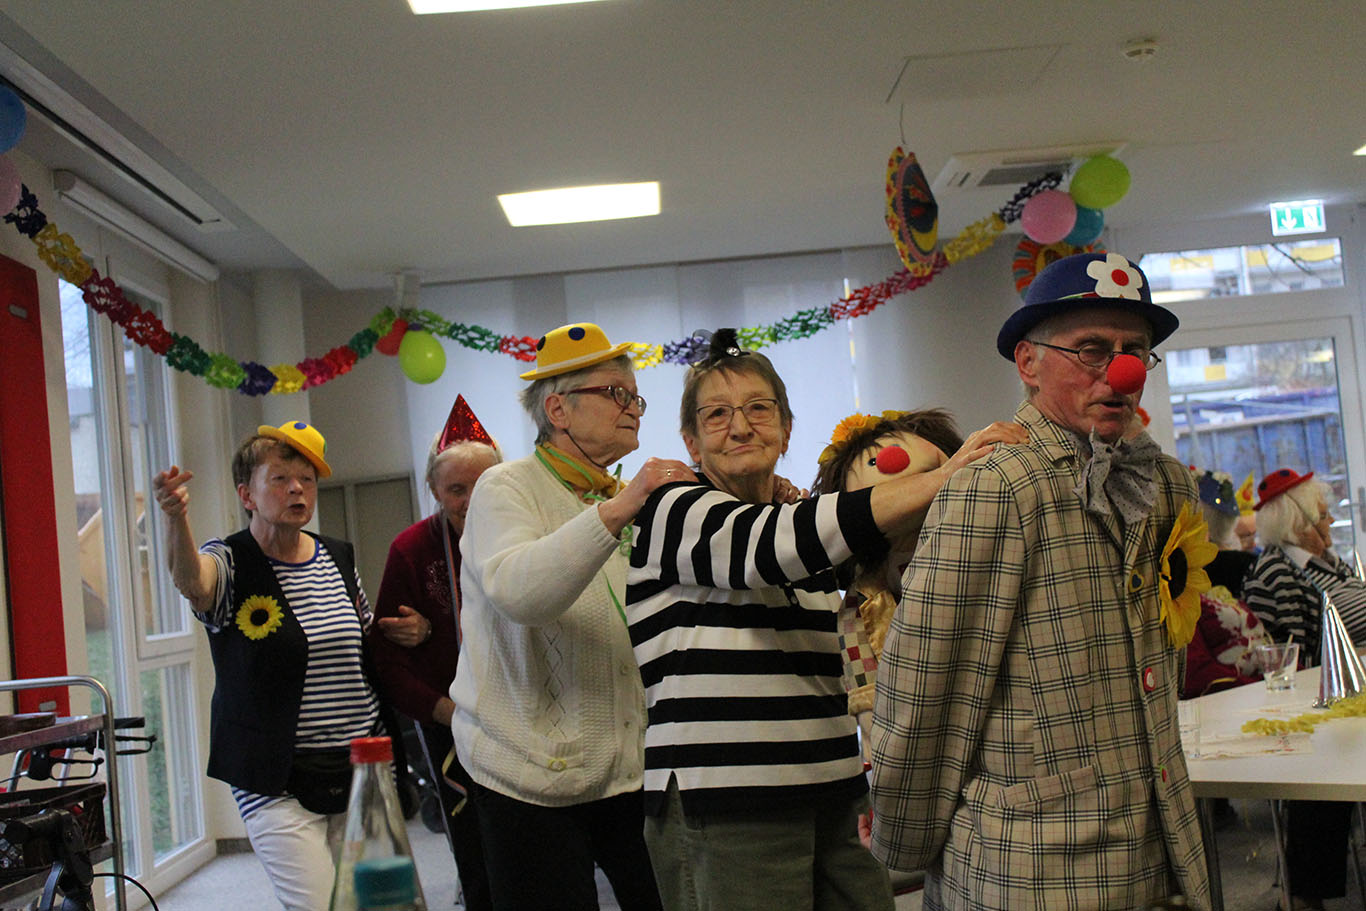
[{"x": 1025, "y": 743}]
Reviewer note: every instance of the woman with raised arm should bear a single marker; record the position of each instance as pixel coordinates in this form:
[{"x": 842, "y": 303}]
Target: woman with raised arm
[{"x": 285, "y": 616}]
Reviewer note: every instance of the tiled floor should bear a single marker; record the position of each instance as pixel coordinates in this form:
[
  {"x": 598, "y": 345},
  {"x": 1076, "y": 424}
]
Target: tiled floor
[{"x": 233, "y": 882}]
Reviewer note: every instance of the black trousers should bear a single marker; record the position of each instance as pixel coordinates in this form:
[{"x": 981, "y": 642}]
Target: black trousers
[
  {"x": 462, "y": 829},
  {"x": 541, "y": 858},
  {"x": 1316, "y": 836}
]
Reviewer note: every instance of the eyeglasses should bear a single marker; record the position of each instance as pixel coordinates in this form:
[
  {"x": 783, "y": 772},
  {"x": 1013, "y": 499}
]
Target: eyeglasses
[
  {"x": 757, "y": 411},
  {"x": 1101, "y": 355},
  {"x": 620, "y": 394}
]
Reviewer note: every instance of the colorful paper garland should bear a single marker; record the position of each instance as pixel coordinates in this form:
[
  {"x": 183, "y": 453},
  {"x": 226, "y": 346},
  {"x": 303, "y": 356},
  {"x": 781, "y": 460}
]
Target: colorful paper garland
[{"x": 61, "y": 254}]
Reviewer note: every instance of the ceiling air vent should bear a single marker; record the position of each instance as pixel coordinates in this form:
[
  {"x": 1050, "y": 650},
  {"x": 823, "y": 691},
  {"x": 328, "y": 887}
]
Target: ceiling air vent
[
  {"x": 82, "y": 126},
  {"x": 1013, "y": 167}
]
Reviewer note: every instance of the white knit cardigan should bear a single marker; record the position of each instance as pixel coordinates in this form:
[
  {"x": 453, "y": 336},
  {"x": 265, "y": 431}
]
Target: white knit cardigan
[{"x": 549, "y": 704}]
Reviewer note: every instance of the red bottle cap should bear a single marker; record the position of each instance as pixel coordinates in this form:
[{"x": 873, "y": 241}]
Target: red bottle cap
[{"x": 371, "y": 749}]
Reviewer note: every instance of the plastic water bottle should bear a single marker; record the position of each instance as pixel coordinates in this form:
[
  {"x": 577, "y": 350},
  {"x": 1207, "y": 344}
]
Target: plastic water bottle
[{"x": 376, "y": 867}]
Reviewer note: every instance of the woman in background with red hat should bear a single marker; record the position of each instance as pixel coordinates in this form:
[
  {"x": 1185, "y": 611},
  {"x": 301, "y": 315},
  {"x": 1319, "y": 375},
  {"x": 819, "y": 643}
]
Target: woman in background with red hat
[
  {"x": 285, "y": 615},
  {"x": 549, "y": 710},
  {"x": 1293, "y": 528},
  {"x": 1283, "y": 589}
]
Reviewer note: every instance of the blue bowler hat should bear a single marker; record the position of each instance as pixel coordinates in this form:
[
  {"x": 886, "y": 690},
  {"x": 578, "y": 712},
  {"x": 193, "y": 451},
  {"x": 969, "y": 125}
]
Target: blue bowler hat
[
  {"x": 1081, "y": 281},
  {"x": 1216, "y": 490}
]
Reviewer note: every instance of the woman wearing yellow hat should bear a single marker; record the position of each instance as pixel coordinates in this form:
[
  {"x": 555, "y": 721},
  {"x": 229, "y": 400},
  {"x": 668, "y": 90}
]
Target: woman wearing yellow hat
[
  {"x": 285, "y": 615},
  {"x": 549, "y": 710}
]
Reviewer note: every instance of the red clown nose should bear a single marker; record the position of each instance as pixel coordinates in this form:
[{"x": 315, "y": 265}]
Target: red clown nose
[
  {"x": 1126, "y": 374},
  {"x": 892, "y": 459}
]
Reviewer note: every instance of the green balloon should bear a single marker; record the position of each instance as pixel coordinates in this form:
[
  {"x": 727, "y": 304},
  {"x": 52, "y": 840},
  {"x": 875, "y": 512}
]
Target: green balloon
[
  {"x": 421, "y": 356},
  {"x": 1100, "y": 182}
]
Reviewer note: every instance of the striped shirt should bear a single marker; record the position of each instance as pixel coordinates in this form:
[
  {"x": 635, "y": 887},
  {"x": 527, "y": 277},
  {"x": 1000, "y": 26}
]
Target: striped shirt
[
  {"x": 732, "y": 610},
  {"x": 1283, "y": 598},
  {"x": 338, "y": 704},
  {"x": 1330, "y": 574}
]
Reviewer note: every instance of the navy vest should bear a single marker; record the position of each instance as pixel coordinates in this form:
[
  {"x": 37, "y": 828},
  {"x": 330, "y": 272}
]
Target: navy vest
[{"x": 259, "y": 683}]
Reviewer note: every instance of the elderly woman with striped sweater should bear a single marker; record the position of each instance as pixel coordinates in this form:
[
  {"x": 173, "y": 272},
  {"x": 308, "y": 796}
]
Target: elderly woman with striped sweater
[
  {"x": 1285, "y": 589},
  {"x": 753, "y": 776}
]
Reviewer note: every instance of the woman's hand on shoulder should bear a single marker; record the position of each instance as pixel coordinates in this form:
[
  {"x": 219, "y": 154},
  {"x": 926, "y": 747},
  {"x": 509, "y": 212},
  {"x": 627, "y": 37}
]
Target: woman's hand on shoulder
[
  {"x": 980, "y": 443},
  {"x": 784, "y": 491},
  {"x": 618, "y": 512},
  {"x": 654, "y": 474}
]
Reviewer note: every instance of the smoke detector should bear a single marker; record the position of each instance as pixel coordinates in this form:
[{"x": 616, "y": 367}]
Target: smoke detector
[
  {"x": 1013, "y": 167},
  {"x": 1140, "y": 50}
]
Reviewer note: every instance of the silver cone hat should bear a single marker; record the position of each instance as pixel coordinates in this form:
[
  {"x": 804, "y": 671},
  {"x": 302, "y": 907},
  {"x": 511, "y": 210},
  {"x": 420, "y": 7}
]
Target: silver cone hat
[{"x": 1340, "y": 671}]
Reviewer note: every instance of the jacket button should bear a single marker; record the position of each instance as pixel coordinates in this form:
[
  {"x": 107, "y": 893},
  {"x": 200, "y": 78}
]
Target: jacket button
[
  {"x": 1135, "y": 582},
  {"x": 557, "y": 765}
]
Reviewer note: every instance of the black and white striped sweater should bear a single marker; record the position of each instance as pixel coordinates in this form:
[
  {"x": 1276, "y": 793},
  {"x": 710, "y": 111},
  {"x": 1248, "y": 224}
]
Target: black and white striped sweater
[{"x": 732, "y": 610}]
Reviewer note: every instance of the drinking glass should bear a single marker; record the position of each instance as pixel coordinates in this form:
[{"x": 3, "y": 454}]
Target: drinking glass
[{"x": 1278, "y": 662}]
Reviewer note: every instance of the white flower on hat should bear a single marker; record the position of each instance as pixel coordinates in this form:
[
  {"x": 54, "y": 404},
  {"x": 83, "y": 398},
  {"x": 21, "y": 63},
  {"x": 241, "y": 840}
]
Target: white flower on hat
[{"x": 1115, "y": 277}]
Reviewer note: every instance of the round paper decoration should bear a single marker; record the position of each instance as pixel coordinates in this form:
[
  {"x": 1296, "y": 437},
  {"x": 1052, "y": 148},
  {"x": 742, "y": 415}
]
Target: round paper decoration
[
  {"x": 912, "y": 213},
  {"x": 1031, "y": 257}
]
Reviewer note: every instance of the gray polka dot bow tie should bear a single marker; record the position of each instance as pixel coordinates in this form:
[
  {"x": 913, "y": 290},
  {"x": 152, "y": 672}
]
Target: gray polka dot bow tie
[{"x": 1119, "y": 477}]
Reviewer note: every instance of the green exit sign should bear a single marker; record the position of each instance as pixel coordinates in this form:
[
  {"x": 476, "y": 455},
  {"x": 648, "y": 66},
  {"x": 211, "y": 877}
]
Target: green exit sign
[{"x": 1303, "y": 216}]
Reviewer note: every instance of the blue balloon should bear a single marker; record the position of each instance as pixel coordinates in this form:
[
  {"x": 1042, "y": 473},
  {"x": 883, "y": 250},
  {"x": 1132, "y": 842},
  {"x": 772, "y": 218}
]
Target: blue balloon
[
  {"x": 1090, "y": 222},
  {"x": 12, "y": 118}
]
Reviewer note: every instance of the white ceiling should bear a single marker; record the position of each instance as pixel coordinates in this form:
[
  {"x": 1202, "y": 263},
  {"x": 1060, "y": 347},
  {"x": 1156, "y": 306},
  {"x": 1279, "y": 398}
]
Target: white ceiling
[{"x": 354, "y": 139}]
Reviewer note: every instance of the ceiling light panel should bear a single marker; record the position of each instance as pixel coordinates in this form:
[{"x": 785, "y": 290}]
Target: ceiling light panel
[
  {"x": 427, "y": 7},
  {"x": 574, "y": 204}
]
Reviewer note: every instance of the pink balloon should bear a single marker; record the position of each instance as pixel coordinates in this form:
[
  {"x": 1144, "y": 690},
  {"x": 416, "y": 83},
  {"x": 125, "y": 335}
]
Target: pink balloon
[
  {"x": 11, "y": 185},
  {"x": 1049, "y": 216}
]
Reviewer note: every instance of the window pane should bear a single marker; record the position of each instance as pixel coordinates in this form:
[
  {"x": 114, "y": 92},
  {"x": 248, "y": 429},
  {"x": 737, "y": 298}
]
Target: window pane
[
  {"x": 147, "y": 430},
  {"x": 1254, "y": 269},
  {"x": 173, "y": 779},
  {"x": 1250, "y": 409},
  {"x": 88, "y": 457}
]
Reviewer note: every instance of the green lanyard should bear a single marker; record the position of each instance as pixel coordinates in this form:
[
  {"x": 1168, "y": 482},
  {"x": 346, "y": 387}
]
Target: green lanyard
[{"x": 626, "y": 533}]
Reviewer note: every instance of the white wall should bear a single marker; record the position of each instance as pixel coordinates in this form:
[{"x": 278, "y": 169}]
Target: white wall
[
  {"x": 363, "y": 415},
  {"x": 936, "y": 347}
]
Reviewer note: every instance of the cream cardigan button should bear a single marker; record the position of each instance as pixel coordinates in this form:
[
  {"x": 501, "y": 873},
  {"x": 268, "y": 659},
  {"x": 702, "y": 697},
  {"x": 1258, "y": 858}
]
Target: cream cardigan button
[{"x": 557, "y": 765}]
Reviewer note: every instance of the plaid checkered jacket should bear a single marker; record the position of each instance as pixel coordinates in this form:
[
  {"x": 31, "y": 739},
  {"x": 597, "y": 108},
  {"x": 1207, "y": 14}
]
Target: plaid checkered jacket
[{"x": 1025, "y": 745}]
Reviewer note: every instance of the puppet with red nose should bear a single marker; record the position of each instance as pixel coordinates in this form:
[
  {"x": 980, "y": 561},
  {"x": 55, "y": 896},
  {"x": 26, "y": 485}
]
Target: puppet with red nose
[{"x": 866, "y": 450}]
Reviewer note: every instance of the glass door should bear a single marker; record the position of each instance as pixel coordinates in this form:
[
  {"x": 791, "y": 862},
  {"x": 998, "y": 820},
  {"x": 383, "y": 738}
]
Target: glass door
[
  {"x": 139, "y": 641},
  {"x": 1250, "y": 399}
]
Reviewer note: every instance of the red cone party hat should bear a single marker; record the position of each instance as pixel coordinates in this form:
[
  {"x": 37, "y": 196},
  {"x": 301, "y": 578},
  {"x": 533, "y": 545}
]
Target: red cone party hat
[{"x": 462, "y": 425}]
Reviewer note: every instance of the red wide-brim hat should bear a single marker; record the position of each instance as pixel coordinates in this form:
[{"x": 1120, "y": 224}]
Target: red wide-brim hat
[{"x": 1277, "y": 483}]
